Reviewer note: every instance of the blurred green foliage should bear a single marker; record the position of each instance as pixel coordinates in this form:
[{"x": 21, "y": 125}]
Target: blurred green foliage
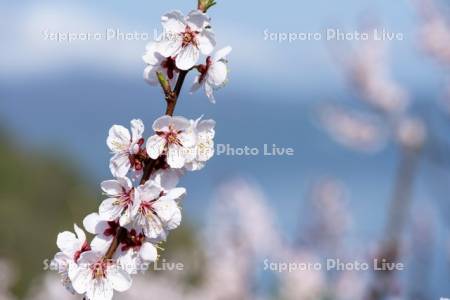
[{"x": 40, "y": 195}]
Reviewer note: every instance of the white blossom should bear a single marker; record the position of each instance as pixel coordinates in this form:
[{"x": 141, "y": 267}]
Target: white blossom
[
  {"x": 120, "y": 202},
  {"x": 158, "y": 63},
  {"x": 97, "y": 277},
  {"x": 213, "y": 74},
  {"x": 186, "y": 37},
  {"x": 172, "y": 138},
  {"x": 125, "y": 147},
  {"x": 203, "y": 149},
  {"x": 156, "y": 211}
]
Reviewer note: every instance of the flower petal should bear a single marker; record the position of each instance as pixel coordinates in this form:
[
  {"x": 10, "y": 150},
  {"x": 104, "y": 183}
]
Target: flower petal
[
  {"x": 221, "y": 54},
  {"x": 148, "y": 252},
  {"x": 155, "y": 146},
  {"x": 197, "y": 20},
  {"x": 119, "y": 165},
  {"x": 217, "y": 74},
  {"x": 120, "y": 280},
  {"x": 206, "y": 42},
  {"x": 91, "y": 223},
  {"x": 173, "y": 22},
  {"x": 68, "y": 243},
  {"x": 81, "y": 236},
  {"x": 110, "y": 209},
  {"x": 118, "y": 139},
  {"x": 137, "y": 129},
  {"x": 175, "y": 156},
  {"x": 187, "y": 57},
  {"x": 168, "y": 211}
]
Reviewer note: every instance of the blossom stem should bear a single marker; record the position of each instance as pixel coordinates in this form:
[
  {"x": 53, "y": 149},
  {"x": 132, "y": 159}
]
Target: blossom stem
[
  {"x": 172, "y": 96},
  {"x": 150, "y": 164}
]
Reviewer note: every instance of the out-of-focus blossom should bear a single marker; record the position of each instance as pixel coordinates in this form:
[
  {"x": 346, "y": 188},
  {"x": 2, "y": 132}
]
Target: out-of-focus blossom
[
  {"x": 356, "y": 130},
  {"x": 7, "y": 277},
  {"x": 369, "y": 72},
  {"x": 328, "y": 216},
  {"x": 411, "y": 132},
  {"x": 49, "y": 288},
  {"x": 308, "y": 284},
  {"x": 434, "y": 34}
]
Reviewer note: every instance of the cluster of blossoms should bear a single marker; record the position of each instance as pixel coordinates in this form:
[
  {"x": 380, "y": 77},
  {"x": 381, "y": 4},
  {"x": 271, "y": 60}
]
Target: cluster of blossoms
[{"x": 142, "y": 201}]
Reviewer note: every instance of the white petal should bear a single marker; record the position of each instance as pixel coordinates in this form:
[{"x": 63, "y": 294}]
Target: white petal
[
  {"x": 80, "y": 234},
  {"x": 170, "y": 46},
  {"x": 209, "y": 92},
  {"x": 196, "y": 85},
  {"x": 176, "y": 193},
  {"x": 187, "y": 57},
  {"x": 221, "y": 54},
  {"x": 207, "y": 125},
  {"x": 206, "y": 42},
  {"x": 119, "y": 164},
  {"x": 162, "y": 123},
  {"x": 100, "y": 244},
  {"x": 118, "y": 139},
  {"x": 149, "y": 191},
  {"x": 99, "y": 289},
  {"x": 175, "y": 156},
  {"x": 151, "y": 56},
  {"x": 80, "y": 277},
  {"x": 137, "y": 130},
  {"x": 120, "y": 280},
  {"x": 155, "y": 146},
  {"x": 111, "y": 187},
  {"x": 68, "y": 243},
  {"x": 168, "y": 211},
  {"x": 197, "y": 20},
  {"x": 148, "y": 252},
  {"x": 110, "y": 209},
  {"x": 173, "y": 22},
  {"x": 150, "y": 74},
  {"x": 91, "y": 222},
  {"x": 167, "y": 179},
  {"x": 187, "y": 139},
  {"x": 180, "y": 123},
  {"x": 217, "y": 74}
]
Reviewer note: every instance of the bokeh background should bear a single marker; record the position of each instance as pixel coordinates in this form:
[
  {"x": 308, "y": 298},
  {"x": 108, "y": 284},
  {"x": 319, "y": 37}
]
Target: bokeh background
[{"x": 58, "y": 100}]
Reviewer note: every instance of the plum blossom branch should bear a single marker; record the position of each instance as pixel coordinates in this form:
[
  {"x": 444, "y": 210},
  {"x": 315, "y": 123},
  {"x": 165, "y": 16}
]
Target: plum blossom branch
[{"x": 138, "y": 214}]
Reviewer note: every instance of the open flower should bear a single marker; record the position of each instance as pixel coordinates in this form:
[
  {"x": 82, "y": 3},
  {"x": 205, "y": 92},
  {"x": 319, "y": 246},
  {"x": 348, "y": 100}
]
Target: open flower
[
  {"x": 156, "y": 211},
  {"x": 126, "y": 148},
  {"x": 172, "y": 138},
  {"x": 135, "y": 251},
  {"x": 104, "y": 231},
  {"x": 71, "y": 246},
  {"x": 158, "y": 63},
  {"x": 213, "y": 74},
  {"x": 186, "y": 37},
  {"x": 119, "y": 204},
  {"x": 97, "y": 277},
  {"x": 203, "y": 149}
]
